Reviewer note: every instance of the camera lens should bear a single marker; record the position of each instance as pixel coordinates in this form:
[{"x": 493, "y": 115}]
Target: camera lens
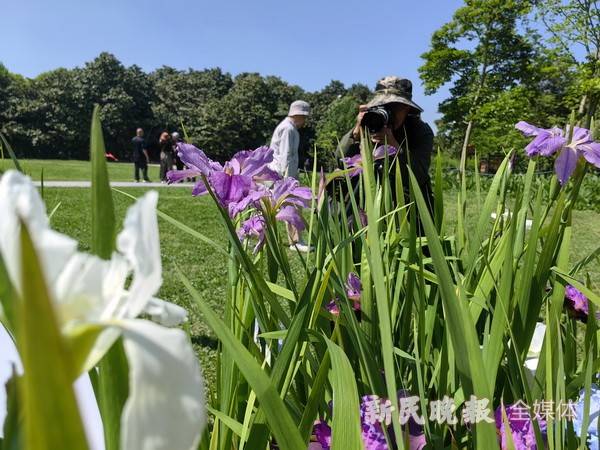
[{"x": 375, "y": 119}]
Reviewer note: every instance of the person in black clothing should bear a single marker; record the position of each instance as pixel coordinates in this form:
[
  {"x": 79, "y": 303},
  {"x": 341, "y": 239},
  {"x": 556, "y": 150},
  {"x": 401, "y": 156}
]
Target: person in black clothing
[
  {"x": 412, "y": 137},
  {"x": 140, "y": 156},
  {"x": 166, "y": 155},
  {"x": 176, "y": 138}
]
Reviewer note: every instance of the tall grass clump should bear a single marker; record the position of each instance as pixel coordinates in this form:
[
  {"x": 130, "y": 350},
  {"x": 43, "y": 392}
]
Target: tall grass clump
[{"x": 459, "y": 338}]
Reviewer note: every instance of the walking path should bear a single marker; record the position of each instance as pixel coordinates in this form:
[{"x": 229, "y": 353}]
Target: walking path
[{"x": 126, "y": 184}]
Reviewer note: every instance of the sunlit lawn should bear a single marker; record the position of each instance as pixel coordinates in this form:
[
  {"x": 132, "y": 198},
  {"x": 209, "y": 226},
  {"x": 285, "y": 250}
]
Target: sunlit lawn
[{"x": 55, "y": 170}]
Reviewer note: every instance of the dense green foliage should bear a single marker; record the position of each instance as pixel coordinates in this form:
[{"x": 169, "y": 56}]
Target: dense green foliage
[
  {"x": 502, "y": 65},
  {"x": 48, "y": 116}
]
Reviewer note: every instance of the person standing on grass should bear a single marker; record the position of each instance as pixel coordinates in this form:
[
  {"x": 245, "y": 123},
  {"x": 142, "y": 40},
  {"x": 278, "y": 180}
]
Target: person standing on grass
[
  {"x": 140, "y": 156},
  {"x": 285, "y": 143},
  {"x": 175, "y": 139},
  {"x": 166, "y": 155}
]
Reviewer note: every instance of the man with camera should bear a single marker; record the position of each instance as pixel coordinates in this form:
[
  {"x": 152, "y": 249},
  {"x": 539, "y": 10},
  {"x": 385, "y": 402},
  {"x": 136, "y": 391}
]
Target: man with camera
[{"x": 392, "y": 118}]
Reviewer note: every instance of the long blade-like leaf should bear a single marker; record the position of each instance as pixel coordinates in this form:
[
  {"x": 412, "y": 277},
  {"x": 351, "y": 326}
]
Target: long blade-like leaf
[
  {"x": 113, "y": 387},
  {"x": 279, "y": 419},
  {"x": 462, "y": 331},
  {"x": 50, "y": 408},
  {"x": 346, "y": 419}
]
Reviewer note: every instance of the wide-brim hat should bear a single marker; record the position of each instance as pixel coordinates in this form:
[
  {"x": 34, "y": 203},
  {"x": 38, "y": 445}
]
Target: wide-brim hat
[
  {"x": 299, "y": 108},
  {"x": 393, "y": 90}
]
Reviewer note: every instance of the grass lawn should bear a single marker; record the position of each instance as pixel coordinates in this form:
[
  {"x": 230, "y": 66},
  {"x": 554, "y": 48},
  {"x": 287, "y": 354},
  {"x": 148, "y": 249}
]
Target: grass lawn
[
  {"x": 205, "y": 267},
  {"x": 55, "y": 170}
]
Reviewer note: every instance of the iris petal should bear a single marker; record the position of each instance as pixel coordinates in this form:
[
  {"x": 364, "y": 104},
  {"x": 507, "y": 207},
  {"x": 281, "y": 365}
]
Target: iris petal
[
  {"x": 140, "y": 245},
  {"x": 194, "y": 158},
  {"x": 291, "y": 215},
  {"x": 591, "y": 152},
  {"x": 565, "y": 164},
  {"x": 165, "y": 408},
  {"x": 177, "y": 175},
  {"x": 20, "y": 200},
  {"x": 527, "y": 129}
]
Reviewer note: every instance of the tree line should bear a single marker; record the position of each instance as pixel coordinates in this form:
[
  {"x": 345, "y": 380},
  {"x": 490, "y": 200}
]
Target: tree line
[{"x": 48, "y": 116}]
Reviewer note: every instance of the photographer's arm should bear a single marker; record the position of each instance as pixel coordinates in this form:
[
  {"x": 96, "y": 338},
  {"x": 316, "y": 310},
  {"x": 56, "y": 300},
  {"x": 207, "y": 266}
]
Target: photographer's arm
[{"x": 349, "y": 145}]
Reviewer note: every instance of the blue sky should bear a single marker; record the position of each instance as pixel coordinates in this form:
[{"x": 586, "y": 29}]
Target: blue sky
[{"x": 306, "y": 43}]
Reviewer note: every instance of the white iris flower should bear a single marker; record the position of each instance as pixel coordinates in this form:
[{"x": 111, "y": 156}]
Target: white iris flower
[{"x": 165, "y": 409}]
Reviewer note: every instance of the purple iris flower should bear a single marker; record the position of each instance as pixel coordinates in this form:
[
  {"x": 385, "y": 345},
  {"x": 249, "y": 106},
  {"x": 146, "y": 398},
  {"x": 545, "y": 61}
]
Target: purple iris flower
[
  {"x": 333, "y": 307},
  {"x": 322, "y": 433},
  {"x": 372, "y": 434},
  {"x": 251, "y": 199},
  {"x": 231, "y": 182},
  {"x": 521, "y": 427},
  {"x": 254, "y": 227},
  {"x": 546, "y": 142},
  {"x": 549, "y": 141},
  {"x": 353, "y": 286},
  {"x": 355, "y": 162},
  {"x": 285, "y": 192},
  {"x": 291, "y": 215},
  {"x": 289, "y": 191},
  {"x": 254, "y": 164},
  {"x": 353, "y": 289},
  {"x": 577, "y": 304},
  {"x": 197, "y": 163},
  {"x": 287, "y": 198},
  {"x": 372, "y": 431},
  {"x": 240, "y": 174}
]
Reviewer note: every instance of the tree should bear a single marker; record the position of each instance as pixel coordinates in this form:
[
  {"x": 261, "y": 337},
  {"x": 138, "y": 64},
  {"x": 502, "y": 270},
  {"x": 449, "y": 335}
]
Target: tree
[
  {"x": 181, "y": 95},
  {"x": 542, "y": 98},
  {"x": 480, "y": 52},
  {"x": 57, "y": 126},
  {"x": 5, "y": 81},
  {"x": 338, "y": 119},
  {"x": 15, "y": 117},
  {"x": 575, "y": 23},
  {"x": 124, "y": 95},
  {"x": 320, "y": 100},
  {"x": 246, "y": 116}
]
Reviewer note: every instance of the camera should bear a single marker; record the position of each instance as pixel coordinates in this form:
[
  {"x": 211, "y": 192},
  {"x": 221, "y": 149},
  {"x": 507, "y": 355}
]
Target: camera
[{"x": 376, "y": 118}]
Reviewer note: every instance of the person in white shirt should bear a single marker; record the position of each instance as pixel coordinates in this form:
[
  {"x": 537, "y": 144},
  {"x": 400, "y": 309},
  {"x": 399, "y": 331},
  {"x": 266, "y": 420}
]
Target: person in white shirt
[{"x": 285, "y": 143}]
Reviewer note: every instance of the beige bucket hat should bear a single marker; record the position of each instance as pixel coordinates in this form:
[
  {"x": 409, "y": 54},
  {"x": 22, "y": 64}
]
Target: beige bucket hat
[
  {"x": 393, "y": 90},
  {"x": 299, "y": 108}
]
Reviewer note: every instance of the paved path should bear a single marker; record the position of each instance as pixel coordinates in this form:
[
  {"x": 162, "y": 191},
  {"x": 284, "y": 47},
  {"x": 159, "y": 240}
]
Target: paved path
[{"x": 87, "y": 184}]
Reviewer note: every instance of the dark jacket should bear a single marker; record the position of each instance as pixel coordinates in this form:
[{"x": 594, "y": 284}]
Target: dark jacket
[{"x": 416, "y": 141}]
